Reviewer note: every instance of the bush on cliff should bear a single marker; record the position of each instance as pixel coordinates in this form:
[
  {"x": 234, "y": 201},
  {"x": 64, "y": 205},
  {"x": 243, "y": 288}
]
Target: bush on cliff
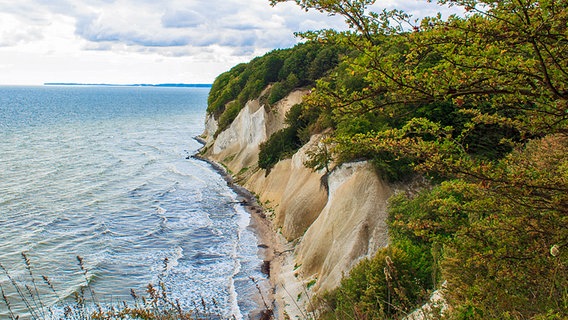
[
  {"x": 281, "y": 144},
  {"x": 286, "y": 142},
  {"x": 386, "y": 286}
]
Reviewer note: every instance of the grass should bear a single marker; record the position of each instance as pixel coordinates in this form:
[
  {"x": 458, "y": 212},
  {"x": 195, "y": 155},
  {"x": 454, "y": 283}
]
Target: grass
[
  {"x": 155, "y": 304},
  {"x": 311, "y": 283},
  {"x": 243, "y": 170}
]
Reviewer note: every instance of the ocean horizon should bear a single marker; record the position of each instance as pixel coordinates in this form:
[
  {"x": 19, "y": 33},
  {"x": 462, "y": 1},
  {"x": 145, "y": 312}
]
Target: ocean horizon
[{"x": 162, "y": 85}]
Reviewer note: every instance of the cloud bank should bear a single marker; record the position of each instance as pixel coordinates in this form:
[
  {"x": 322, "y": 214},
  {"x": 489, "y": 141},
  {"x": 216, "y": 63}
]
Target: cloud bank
[
  {"x": 206, "y": 31},
  {"x": 151, "y": 25}
]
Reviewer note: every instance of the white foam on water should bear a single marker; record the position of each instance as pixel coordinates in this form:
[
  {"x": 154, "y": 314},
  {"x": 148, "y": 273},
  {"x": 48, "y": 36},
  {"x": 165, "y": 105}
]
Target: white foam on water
[
  {"x": 243, "y": 220},
  {"x": 174, "y": 261},
  {"x": 235, "y": 310},
  {"x": 162, "y": 211},
  {"x": 249, "y": 260},
  {"x": 107, "y": 189}
]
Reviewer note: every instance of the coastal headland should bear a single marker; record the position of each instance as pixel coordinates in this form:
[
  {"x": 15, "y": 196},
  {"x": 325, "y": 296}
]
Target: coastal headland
[{"x": 313, "y": 226}]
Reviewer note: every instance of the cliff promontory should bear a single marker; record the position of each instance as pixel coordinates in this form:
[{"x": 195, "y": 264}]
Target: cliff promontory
[{"x": 324, "y": 223}]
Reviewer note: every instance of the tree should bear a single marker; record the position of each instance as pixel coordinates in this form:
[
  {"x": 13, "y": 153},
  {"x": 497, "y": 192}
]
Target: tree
[
  {"x": 502, "y": 69},
  {"x": 511, "y": 54},
  {"x": 287, "y": 69}
]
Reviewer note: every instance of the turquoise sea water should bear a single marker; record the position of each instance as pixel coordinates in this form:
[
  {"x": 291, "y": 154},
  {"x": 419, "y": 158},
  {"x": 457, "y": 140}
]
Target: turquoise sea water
[{"x": 103, "y": 173}]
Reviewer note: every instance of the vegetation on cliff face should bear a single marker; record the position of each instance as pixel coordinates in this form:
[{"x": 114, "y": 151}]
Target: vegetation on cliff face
[
  {"x": 285, "y": 142},
  {"x": 479, "y": 103}
]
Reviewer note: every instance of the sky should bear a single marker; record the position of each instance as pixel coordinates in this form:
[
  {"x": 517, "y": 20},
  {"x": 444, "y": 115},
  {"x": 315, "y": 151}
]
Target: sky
[{"x": 150, "y": 41}]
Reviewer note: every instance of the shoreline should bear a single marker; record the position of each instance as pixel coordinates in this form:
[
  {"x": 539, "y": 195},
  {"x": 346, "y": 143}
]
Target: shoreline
[{"x": 262, "y": 229}]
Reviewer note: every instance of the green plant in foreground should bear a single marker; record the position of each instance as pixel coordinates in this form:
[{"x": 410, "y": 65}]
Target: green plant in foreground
[
  {"x": 383, "y": 287},
  {"x": 155, "y": 305}
]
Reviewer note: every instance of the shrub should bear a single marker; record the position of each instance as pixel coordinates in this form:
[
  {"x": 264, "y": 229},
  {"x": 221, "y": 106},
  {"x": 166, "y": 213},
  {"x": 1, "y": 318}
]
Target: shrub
[
  {"x": 36, "y": 298},
  {"x": 280, "y": 145},
  {"x": 503, "y": 253},
  {"x": 278, "y": 92},
  {"x": 383, "y": 287},
  {"x": 231, "y": 112}
]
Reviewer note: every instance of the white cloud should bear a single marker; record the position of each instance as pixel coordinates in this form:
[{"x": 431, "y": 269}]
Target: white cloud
[
  {"x": 110, "y": 40},
  {"x": 14, "y": 32},
  {"x": 183, "y": 18}
]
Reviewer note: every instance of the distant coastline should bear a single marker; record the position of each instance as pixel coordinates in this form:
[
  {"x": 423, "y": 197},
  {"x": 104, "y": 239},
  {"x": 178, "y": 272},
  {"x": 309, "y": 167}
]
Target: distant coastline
[{"x": 169, "y": 85}]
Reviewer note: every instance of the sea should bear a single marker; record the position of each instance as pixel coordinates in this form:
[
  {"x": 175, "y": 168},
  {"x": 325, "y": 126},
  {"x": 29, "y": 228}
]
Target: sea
[{"x": 105, "y": 176}]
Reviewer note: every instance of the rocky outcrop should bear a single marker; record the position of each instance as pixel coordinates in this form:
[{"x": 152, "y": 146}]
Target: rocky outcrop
[
  {"x": 293, "y": 193},
  {"x": 324, "y": 226},
  {"x": 352, "y": 225},
  {"x": 237, "y": 146}
]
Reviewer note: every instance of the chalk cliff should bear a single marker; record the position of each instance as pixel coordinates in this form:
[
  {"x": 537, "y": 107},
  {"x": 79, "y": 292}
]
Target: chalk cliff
[{"x": 323, "y": 229}]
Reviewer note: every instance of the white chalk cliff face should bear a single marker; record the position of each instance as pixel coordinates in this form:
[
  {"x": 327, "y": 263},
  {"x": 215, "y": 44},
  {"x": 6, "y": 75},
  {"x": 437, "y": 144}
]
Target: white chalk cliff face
[
  {"x": 352, "y": 225},
  {"x": 324, "y": 231}
]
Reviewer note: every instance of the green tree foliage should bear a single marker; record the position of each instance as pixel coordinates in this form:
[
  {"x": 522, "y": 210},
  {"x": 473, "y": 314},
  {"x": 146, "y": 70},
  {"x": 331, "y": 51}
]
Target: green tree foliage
[
  {"x": 384, "y": 287},
  {"x": 231, "y": 112},
  {"x": 479, "y": 101},
  {"x": 286, "y": 69},
  {"x": 499, "y": 234},
  {"x": 281, "y": 144},
  {"x": 287, "y": 141}
]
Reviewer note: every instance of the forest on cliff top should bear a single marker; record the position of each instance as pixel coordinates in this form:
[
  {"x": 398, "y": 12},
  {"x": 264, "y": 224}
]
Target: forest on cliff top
[{"x": 478, "y": 105}]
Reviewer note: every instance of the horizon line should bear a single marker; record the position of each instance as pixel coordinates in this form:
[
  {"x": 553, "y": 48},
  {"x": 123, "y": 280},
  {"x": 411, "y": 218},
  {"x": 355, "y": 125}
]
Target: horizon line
[{"x": 194, "y": 85}]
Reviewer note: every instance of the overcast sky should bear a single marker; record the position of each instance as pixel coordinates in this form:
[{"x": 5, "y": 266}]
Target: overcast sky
[{"x": 149, "y": 41}]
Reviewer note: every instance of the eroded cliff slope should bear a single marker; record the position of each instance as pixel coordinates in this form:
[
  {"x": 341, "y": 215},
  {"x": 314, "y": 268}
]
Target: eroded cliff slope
[{"x": 323, "y": 225}]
